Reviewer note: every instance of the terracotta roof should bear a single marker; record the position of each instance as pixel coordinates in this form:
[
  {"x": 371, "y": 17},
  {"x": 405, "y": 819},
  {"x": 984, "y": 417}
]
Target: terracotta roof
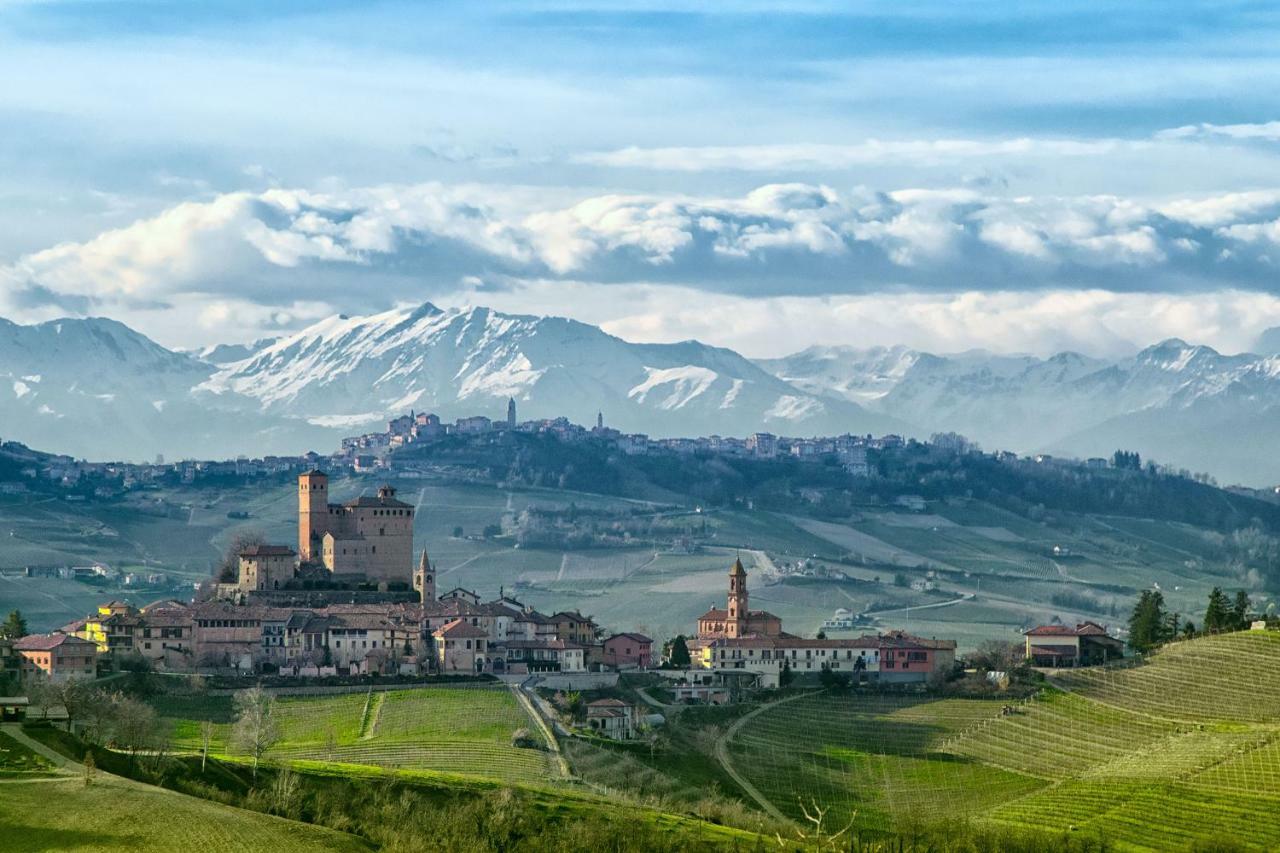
[
  {"x": 626, "y": 635},
  {"x": 459, "y": 630},
  {"x": 378, "y": 503},
  {"x": 268, "y": 551},
  {"x": 46, "y": 642},
  {"x": 716, "y": 614},
  {"x": 608, "y": 702},
  {"x": 1083, "y": 629}
]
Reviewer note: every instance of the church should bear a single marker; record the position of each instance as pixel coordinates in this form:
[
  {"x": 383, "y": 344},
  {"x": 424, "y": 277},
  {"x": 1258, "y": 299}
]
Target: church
[{"x": 737, "y": 619}]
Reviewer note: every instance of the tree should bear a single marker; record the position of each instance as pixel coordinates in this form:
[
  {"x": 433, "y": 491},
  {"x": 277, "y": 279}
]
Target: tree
[
  {"x": 41, "y": 694},
  {"x": 784, "y": 675},
  {"x": 206, "y": 737},
  {"x": 136, "y": 725},
  {"x": 78, "y": 698},
  {"x": 679, "y": 656},
  {"x": 457, "y": 532},
  {"x": 1149, "y": 624},
  {"x": 14, "y": 626},
  {"x": 228, "y": 568},
  {"x": 256, "y": 729},
  {"x": 998, "y": 655},
  {"x": 1240, "y": 610},
  {"x": 90, "y": 768},
  {"x": 1218, "y": 615}
]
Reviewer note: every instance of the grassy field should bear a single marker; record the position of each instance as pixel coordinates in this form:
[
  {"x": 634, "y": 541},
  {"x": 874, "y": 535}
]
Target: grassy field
[
  {"x": 18, "y": 762},
  {"x": 1150, "y": 757},
  {"x": 461, "y": 730},
  {"x": 114, "y": 815}
]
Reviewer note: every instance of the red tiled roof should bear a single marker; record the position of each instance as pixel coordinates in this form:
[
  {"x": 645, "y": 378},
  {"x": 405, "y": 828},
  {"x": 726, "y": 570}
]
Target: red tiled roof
[
  {"x": 45, "y": 642},
  {"x": 1051, "y": 631},
  {"x": 457, "y": 629},
  {"x": 268, "y": 551}
]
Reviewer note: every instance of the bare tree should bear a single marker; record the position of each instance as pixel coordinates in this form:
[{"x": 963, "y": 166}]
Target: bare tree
[
  {"x": 228, "y": 568},
  {"x": 41, "y": 694},
  {"x": 256, "y": 729},
  {"x": 284, "y": 793},
  {"x": 90, "y": 768},
  {"x": 206, "y": 737},
  {"x": 136, "y": 724}
]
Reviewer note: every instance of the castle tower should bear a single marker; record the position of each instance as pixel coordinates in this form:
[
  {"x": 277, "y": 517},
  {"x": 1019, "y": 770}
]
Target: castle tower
[
  {"x": 511, "y": 413},
  {"x": 424, "y": 579},
  {"x": 313, "y": 513},
  {"x": 736, "y": 623}
]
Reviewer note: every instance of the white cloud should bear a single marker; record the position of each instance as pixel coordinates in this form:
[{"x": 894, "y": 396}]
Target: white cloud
[
  {"x": 810, "y": 157},
  {"x": 1268, "y": 131},
  {"x": 269, "y": 259}
]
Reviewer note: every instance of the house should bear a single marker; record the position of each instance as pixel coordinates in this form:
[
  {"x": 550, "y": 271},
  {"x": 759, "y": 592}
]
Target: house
[
  {"x": 461, "y": 647},
  {"x": 612, "y": 718},
  {"x": 1086, "y": 644},
  {"x": 57, "y": 657},
  {"x": 548, "y": 655},
  {"x": 628, "y": 650}
]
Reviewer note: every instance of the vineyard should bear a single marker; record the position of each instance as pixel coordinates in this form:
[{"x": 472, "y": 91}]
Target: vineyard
[
  {"x": 1148, "y": 756},
  {"x": 455, "y": 729}
]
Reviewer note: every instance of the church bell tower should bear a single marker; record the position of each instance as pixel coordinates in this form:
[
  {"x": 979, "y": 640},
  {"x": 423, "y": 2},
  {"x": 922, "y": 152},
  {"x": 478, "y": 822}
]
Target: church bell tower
[
  {"x": 424, "y": 579},
  {"x": 736, "y": 624}
]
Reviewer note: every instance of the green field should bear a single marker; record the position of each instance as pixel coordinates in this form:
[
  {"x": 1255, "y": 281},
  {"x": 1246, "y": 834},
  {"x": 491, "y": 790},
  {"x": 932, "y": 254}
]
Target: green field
[
  {"x": 114, "y": 814},
  {"x": 461, "y": 730},
  {"x": 1151, "y": 757}
]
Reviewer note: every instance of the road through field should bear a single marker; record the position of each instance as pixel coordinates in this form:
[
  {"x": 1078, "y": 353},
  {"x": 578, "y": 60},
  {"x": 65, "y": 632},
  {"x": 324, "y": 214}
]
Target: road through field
[{"x": 722, "y": 755}]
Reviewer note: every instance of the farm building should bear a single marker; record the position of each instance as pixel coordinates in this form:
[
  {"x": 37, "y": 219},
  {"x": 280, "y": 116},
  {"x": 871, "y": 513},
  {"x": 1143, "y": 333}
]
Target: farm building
[{"x": 1086, "y": 644}]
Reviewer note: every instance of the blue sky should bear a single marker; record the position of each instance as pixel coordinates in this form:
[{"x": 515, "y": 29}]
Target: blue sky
[{"x": 1016, "y": 176}]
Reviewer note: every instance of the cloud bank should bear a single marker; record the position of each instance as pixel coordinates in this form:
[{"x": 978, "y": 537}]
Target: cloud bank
[{"x": 244, "y": 263}]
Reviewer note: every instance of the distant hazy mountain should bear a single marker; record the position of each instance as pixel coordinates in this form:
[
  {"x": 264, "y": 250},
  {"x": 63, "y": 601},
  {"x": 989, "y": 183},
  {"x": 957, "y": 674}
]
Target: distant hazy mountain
[
  {"x": 1182, "y": 404},
  {"x": 97, "y": 389}
]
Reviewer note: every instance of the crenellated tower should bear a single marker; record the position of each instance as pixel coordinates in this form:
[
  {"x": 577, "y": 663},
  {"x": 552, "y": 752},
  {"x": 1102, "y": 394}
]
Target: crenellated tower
[{"x": 313, "y": 514}]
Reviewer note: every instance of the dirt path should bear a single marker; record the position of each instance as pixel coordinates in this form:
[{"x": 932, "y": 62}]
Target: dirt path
[
  {"x": 547, "y": 734},
  {"x": 722, "y": 755},
  {"x": 968, "y": 596}
]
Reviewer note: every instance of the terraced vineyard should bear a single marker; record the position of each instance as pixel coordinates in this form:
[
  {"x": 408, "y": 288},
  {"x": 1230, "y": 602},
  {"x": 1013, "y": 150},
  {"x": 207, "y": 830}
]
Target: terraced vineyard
[
  {"x": 1156, "y": 756},
  {"x": 455, "y": 729}
]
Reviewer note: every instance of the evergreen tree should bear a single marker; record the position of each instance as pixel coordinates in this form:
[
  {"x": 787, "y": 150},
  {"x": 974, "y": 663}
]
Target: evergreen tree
[
  {"x": 1240, "y": 610},
  {"x": 680, "y": 652},
  {"x": 1218, "y": 615},
  {"x": 1149, "y": 626},
  {"x": 14, "y": 627}
]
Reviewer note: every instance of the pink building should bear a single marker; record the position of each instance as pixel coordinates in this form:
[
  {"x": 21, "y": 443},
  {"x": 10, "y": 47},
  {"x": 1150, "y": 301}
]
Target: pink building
[{"x": 628, "y": 650}]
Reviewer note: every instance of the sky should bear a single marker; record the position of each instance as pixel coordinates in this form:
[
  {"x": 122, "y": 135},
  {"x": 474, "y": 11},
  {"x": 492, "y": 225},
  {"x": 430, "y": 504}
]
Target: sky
[{"x": 1024, "y": 177}]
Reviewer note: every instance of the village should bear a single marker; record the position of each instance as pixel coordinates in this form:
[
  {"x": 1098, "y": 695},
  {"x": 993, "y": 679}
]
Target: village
[{"x": 353, "y": 600}]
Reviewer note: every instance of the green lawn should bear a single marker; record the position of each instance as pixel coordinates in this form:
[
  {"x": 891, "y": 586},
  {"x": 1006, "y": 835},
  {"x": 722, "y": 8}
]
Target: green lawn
[
  {"x": 463, "y": 729},
  {"x": 18, "y": 762}
]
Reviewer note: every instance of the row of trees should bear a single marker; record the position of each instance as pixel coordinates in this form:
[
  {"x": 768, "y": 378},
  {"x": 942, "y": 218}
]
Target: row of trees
[{"x": 1152, "y": 625}]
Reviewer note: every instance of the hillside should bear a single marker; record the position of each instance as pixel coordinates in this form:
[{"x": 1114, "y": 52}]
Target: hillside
[
  {"x": 1184, "y": 404},
  {"x": 1147, "y": 758}
]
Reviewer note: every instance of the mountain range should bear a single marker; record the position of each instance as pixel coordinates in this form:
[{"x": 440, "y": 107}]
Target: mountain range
[{"x": 97, "y": 389}]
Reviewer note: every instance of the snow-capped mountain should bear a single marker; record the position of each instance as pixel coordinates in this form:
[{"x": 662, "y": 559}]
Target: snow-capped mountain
[
  {"x": 97, "y": 389},
  {"x": 1183, "y": 404},
  {"x": 352, "y": 372}
]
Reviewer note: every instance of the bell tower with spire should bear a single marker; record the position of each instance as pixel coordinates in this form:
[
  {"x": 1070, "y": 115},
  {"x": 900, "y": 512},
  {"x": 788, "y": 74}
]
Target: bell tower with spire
[
  {"x": 424, "y": 579},
  {"x": 735, "y": 625}
]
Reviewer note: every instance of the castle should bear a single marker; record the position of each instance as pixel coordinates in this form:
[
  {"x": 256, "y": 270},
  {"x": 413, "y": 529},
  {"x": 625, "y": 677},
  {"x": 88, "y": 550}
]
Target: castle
[
  {"x": 365, "y": 540},
  {"x": 369, "y": 536}
]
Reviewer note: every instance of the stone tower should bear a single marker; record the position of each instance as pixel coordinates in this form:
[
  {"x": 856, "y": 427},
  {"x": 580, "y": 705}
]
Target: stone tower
[
  {"x": 599, "y": 420},
  {"x": 736, "y": 623},
  {"x": 511, "y": 413},
  {"x": 313, "y": 513},
  {"x": 424, "y": 579}
]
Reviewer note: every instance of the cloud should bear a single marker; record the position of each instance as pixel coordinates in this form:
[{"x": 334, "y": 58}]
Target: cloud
[
  {"x": 1267, "y": 131},
  {"x": 358, "y": 249},
  {"x": 812, "y": 156}
]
